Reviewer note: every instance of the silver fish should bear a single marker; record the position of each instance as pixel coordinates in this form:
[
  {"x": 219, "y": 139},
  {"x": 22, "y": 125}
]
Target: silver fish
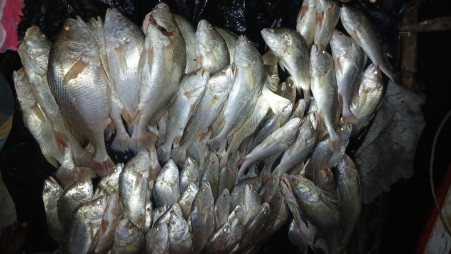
[
  {"x": 293, "y": 54},
  {"x": 222, "y": 208},
  {"x": 191, "y": 90},
  {"x": 230, "y": 39},
  {"x": 218, "y": 240},
  {"x": 299, "y": 109},
  {"x": 359, "y": 27},
  {"x": 149, "y": 215},
  {"x": 254, "y": 229},
  {"x": 186, "y": 199},
  {"x": 202, "y": 218},
  {"x": 228, "y": 174},
  {"x": 348, "y": 63},
  {"x": 72, "y": 197},
  {"x": 249, "y": 81},
  {"x": 191, "y": 43},
  {"x": 211, "y": 174},
  {"x": 179, "y": 235},
  {"x": 80, "y": 87},
  {"x": 110, "y": 221},
  {"x": 128, "y": 238},
  {"x": 110, "y": 182},
  {"x": 306, "y": 21},
  {"x": 213, "y": 52},
  {"x": 216, "y": 92},
  {"x": 50, "y": 195},
  {"x": 324, "y": 89},
  {"x": 166, "y": 188},
  {"x": 287, "y": 90},
  {"x": 190, "y": 174},
  {"x": 327, "y": 16},
  {"x": 237, "y": 228},
  {"x": 163, "y": 63},
  {"x": 68, "y": 173},
  {"x": 157, "y": 239}
]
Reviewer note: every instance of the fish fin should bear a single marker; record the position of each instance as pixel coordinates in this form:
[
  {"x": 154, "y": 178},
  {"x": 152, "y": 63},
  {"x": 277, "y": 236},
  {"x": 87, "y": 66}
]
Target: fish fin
[
  {"x": 270, "y": 58},
  {"x": 125, "y": 115},
  {"x": 350, "y": 118},
  {"x": 61, "y": 139},
  {"x": 122, "y": 59},
  {"x": 73, "y": 72},
  {"x": 102, "y": 167},
  {"x": 163, "y": 154},
  {"x": 169, "y": 55},
  {"x": 211, "y": 102},
  {"x": 334, "y": 143},
  {"x": 50, "y": 159},
  {"x": 319, "y": 19},
  {"x": 337, "y": 65},
  {"x": 135, "y": 116},
  {"x": 302, "y": 11},
  {"x": 190, "y": 93}
]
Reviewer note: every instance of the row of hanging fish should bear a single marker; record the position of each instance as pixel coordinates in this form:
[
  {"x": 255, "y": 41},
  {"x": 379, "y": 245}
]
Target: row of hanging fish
[{"x": 222, "y": 149}]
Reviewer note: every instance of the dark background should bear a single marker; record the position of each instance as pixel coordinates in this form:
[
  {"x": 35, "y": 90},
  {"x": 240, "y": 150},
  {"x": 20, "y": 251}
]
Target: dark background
[{"x": 392, "y": 223}]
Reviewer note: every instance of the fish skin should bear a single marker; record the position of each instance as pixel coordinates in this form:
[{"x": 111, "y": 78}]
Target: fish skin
[
  {"x": 166, "y": 188},
  {"x": 68, "y": 173},
  {"x": 324, "y": 89},
  {"x": 202, "y": 218},
  {"x": 228, "y": 174},
  {"x": 248, "y": 84},
  {"x": 80, "y": 87},
  {"x": 350, "y": 193},
  {"x": 216, "y": 92},
  {"x": 110, "y": 182},
  {"x": 327, "y": 16},
  {"x": 71, "y": 199},
  {"x": 190, "y": 173},
  {"x": 149, "y": 215},
  {"x": 359, "y": 27},
  {"x": 128, "y": 238},
  {"x": 299, "y": 150},
  {"x": 218, "y": 240},
  {"x": 211, "y": 174},
  {"x": 288, "y": 193},
  {"x": 293, "y": 54},
  {"x": 237, "y": 195},
  {"x": 191, "y": 90},
  {"x": 189, "y": 35},
  {"x": 369, "y": 97},
  {"x": 230, "y": 39},
  {"x": 277, "y": 142},
  {"x": 133, "y": 188},
  {"x": 237, "y": 228},
  {"x": 299, "y": 109},
  {"x": 287, "y": 90},
  {"x": 213, "y": 51},
  {"x": 349, "y": 60},
  {"x": 50, "y": 195},
  {"x": 81, "y": 234},
  {"x": 222, "y": 208},
  {"x": 110, "y": 221},
  {"x": 306, "y": 21},
  {"x": 199, "y": 151},
  {"x": 254, "y": 229},
  {"x": 158, "y": 212},
  {"x": 187, "y": 197},
  {"x": 157, "y": 239},
  {"x": 163, "y": 63},
  {"x": 180, "y": 241},
  {"x": 35, "y": 120}
]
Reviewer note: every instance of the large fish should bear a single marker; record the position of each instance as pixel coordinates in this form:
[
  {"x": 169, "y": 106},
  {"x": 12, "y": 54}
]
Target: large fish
[
  {"x": 213, "y": 52},
  {"x": 359, "y": 27},
  {"x": 249, "y": 81},
  {"x": 163, "y": 63},
  {"x": 80, "y": 87}
]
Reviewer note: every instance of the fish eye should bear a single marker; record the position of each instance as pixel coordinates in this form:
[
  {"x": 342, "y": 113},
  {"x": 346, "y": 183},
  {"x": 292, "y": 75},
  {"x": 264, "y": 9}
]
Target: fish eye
[
  {"x": 42, "y": 37},
  {"x": 271, "y": 30},
  {"x": 225, "y": 229},
  {"x": 249, "y": 42},
  {"x": 98, "y": 202},
  {"x": 67, "y": 28},
  {"x": 210, "y": 27}
]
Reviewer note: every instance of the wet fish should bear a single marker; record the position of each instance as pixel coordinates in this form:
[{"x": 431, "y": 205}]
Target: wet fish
[
  {"x": 202, "y": 218},
  {"x": 213, "y": 51},
  {"x": 211, "y": 174},
  {"x": 359, "y": 27},
  {"x": 128, "y": 238},
  {"x": 216, "y": 92},
  {"x": 287, "y": 90},
  {"x": 192, "y": 87},
  {"x": 327, "y": 16},
  {"x": 254, "y": 228},
  {"x": 299, "y": 109},
  {"x": 228, "y": 174},
  {"x": 218, "y": 240},
  {"x": 163, "y": 63},
  {"x": 166, "y": 188},
  {"x": 348, "y": 63},
  {"x": 72, "y": 197},
  {"x": 237, "y": 228},
  {"x": 230, "y": 39},
  {"x": 187, "y": 197},
  {"x": 110, "y": 182},
  {"x": 180, "y": 240},
  {"x": 149, "y": 214},
  {"x": 306, "y": 21},
  {"x": 190, "y": 173},
  {"x": 222, "y": 208},
  {"x": 80, "y": 87},
  {"x": 324, "y": 89},
  {"x": 50, "y": 195},
  {"x": 157, "y": 239},
  {"x": 293, "y": 54},
  {"x": 110, "y": 221},
  {"x": 249, "y": 81},
  {"x": 191, "y": 43}
]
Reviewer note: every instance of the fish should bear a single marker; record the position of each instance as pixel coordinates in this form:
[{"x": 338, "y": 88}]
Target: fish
[
  {"x": 191, "y": 90},
  {"x": 228, "y": 174},
  {"x": 298, "y": 109},
  {"x": 211, "y": 174},
  {"x": 80, "y": 87},
  {"x": 324, "y": 89},
  {"x": 293, "y": 54},
  {"x": 73, "y": 196},
  {"x": 68, "y": 173},
  {"x": 361, "y": 30},
  {"x": 216, "y": 92},
  {"x": 180, "y": 239},
  {"x": 191, "y": 44},
  {"x": 298, "y": 152},
  {"x": 124, "y": 44},
  {"x": 254, "y": 228},
  {"x": 133, "y": 188},
  {"x": 157, "y": 239},
  {"x": 218, "y": 240},
  {"x": 213, "y": 51},
  {"x": 237, "y": 228},
  {"x": 187, "y": 197},
  {"x": 327, "y": 16},
  {"x": 237, "y": 195},
  {"x": 277, "y": 142},
  {"x": 163, "y": 62},
  {"x": 166, "y": 189},
  {"x": 249, "y": 81},
  {"x": 149, "y": 214},
  {"x": 128, "y": 238},
  {"x": 306, "y": 21},
  {"x": 110, "y": 222},
  {"x": 288, "y": 90},
  {"x": 222, "y": 208},
  {"x": 350, "y": 192},
  {"x": 201, "y": 217},
  {"x": 230, "y": 39},
  {"x": 190, "y": 173},
  {"x": 348, "y": 63},
  {"x": 81, "y": 234},
  {"x": 51, "y": 193},
  {"x": 369, "y": 97},
  {"x": 110, "y": 182}
]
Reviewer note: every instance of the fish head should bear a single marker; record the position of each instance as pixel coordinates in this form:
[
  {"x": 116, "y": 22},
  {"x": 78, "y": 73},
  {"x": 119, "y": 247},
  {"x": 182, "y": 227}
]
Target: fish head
[
  {"x": 164, "y": 20},
  {"x": 77, "y": 32},
  {"x": 302, "y": 187},
  {"x": 277, "y": 39},
  {"x": 207, "y": 36},
  {"x": 117, "y": 27},
  {"x": 307, "y": 132},
  {"x": 246, "y": 55},
  {"x": 339, "y": 44},
  {"x": 34, "y": 50},
  {"x": 344, "y": 131},
  {"x": 23, "y": 88},
  {"x": 52, "y": 190},
  {"x": 321, "y": 61},
  {"x": 351, "y": 17}
]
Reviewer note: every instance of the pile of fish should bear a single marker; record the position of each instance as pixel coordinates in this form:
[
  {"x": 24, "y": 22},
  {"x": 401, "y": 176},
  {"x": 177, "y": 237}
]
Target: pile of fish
[{"x": 223, "y": 151}]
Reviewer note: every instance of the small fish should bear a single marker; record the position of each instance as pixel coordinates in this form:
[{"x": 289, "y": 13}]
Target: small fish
[
  {"x": 110, "y": 221},
  {"x": 237, "y": 228},
  {"x": 157, "y": 239},
  {"x": 51, "y": 193},
  {"x": 166, "y": 188},
  {"x": 293, "y": 54},
  {"x": 228, "y": 174},
  {"x": 327, "y": 16},
  {"x": 110, "y": 182},
  {"x": 128, "y": 238},
  {"x": 187, "y": 197},
  {"x": 218, "y": 240},
  {"x": 180, "y": 239},
  {"x": 287, "y": 90},
  {"x": 306, "y": 21},
  {"x": 211, "y": 174},
  {"x": 299, "y": 109},
  {"x": 202, "y": 218},
  {"x": 348, "y": 63},
  {"x": 222, "y": 208},
  {"x": 213, "y": 51},
  {"x": 230, "y": 39},
  {"x": 71, "y": 199},
  {"x": 149, "y": 214},
  {"x": 254, "y": 228},
  {"x": 191, "y": 43},
  {"x": 359, "y": 27}
]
